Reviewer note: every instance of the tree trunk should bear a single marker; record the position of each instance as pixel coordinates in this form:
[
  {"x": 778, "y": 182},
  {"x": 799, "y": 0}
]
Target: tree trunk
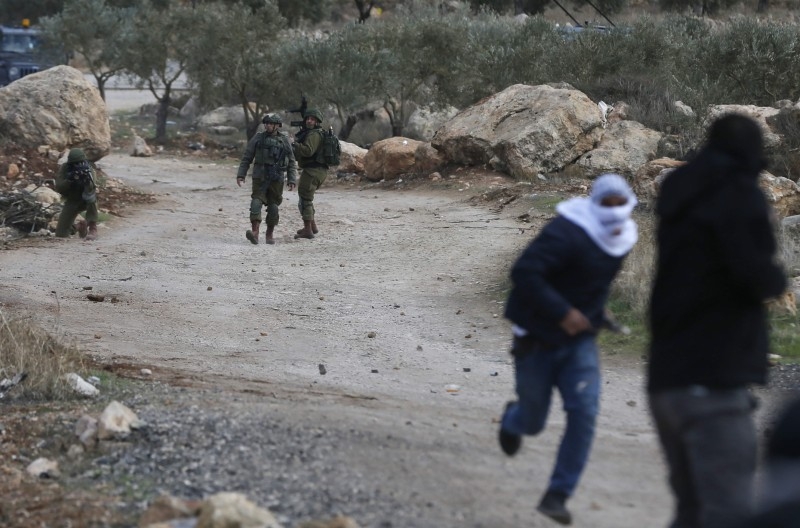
[
  {"x": 161, "y": 116},
  {"x": 519, "y": 8},
  {"x": 347, "y": 127}
]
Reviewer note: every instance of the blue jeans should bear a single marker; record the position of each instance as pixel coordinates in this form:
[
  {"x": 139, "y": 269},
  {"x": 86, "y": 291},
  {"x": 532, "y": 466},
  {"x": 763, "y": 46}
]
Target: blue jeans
[
  {"x": 574, "y": 370},
  {"x": 709, "y": 441}
]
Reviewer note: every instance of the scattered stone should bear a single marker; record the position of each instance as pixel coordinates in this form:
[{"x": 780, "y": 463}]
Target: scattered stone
[
  {"x": 467, "y": 369},
  {"x": 43, "y": 468},
  {"x": 419, "y": 348},
  {"x": 75, "y": 451},
  {"x": 116, "y": 421},
  {"x": 86, "y": 431},
  {"x": 87, "y": 287},
  {"x": 371, "y": 335},
  {"x": 96, "y": 297},
  {"x": 322, "y": 369},
  {"x": 167, "y": 508},
  {"x": 146, "y": 372},
  {"x": 233, "y": 509},
  {"x": 209, "y": 288},
  {"x": 631, "y": 403},
  {"x": 80, "y": 385},
  {"x": 340, "y": 521},
  {"x": 374, "y": 371}
]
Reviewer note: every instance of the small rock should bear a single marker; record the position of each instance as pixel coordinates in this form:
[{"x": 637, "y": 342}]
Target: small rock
[
  {"x": 419, "y": 348},
  {"x": 371, "y": 335},
  {"x": 374, "y": 371},
  {"x": 467, "y": 369},
  {"x": 146, "y": 372},
  {"x": 95, "y": 297},
  {"x": 80, "y": 385},
  {"x": 43, "y": 468},
  {"x": 631, "y": 403},
  {"x": 87, "y": 287},
  {"x": 322, "y": 369},
  {"x": 209, "y": 288}
]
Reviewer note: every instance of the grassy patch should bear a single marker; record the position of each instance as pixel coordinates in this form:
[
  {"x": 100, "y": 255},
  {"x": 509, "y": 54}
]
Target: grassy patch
[
  {"x": 784, "y": 337},
  {"x": 633, "y": 344},
  {"x": 27, "y": 348}
]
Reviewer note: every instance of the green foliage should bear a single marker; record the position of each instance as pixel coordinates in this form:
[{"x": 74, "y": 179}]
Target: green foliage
[
  {"x": 234, "y": 55},
  {"x": 157, "y": 51},
  {"x": 101, "y": 42}
]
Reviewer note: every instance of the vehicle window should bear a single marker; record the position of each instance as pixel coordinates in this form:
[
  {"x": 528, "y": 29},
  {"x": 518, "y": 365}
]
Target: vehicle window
[{"x": 19, "y": 43}]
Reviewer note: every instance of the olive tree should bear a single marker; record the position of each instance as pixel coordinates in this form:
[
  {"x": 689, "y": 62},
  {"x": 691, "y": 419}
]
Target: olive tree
[
  {"x": 157, "y": 51},
  {"x": 236, "y": 56},
  {"x": 412, "y": 50},
  {"x": 100, "y": 42},
  {"x": 339, "y": 70}
]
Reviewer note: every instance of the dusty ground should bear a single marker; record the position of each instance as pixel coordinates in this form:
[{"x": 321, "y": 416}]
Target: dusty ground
[{"x": 400, "y": 297}]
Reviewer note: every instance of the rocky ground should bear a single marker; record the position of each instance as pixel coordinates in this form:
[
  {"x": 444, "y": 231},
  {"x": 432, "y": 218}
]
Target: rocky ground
[{"x": 360, "y": 373}]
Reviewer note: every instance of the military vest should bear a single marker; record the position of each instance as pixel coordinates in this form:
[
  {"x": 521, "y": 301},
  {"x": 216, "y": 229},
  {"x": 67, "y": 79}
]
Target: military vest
[{"x": 271, "y": 150}]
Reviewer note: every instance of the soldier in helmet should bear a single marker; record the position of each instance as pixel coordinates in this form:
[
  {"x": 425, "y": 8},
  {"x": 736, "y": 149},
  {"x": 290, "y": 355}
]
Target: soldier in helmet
[
  {"x": 75, "y": 182},
  {"x": 271, "y": 153},
  {"x": 306, "y": 148}
]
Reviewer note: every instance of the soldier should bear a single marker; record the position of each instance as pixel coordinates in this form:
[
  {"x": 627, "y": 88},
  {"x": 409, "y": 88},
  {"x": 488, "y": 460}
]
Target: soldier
[
  {"x": 273, "y": 156},
  {"x": 308, "y": 152},
  {"x": 75, "y": 182}
]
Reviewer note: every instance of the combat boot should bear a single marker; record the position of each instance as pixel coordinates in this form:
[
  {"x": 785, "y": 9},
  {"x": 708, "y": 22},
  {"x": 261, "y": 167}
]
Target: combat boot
[
  {"x": 313, "y": 228},
  {"x": 92, "y": 231},
  {"x": 81, "y": 228},
  {"x": 306, "y": 231},
  {"x": 252, "y": 234},
  {"x": 269, "y": 239}
]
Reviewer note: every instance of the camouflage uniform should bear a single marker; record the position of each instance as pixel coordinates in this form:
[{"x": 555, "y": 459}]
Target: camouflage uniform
[
  {"x": 314, "y": 172},
  {"x": 75, "y": 182},
  {"x": 272, "y": 157}
]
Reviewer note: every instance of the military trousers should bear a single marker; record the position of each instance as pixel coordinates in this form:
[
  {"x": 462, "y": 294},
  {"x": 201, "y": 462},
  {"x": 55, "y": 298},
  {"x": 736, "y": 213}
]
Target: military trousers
[
  {"x": 269, "y": 194},
  {"x": 69, "y": 212},
  {"x": 310, "y": 180}
]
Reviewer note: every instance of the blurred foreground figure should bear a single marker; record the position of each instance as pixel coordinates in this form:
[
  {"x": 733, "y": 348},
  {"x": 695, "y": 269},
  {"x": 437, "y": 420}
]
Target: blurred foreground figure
[
  {"x": 780, "y": 502},
  {"x": 557, "y": 304},
  {"x": 715, "y": 269}
]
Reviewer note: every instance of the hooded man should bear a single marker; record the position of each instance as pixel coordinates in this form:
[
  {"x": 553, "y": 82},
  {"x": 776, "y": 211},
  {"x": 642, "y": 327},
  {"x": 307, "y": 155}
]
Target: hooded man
[
  {"x": 715, "y": 268},
  {"x": 75, "y": 182},
  {"x": 561, "y": 284}
]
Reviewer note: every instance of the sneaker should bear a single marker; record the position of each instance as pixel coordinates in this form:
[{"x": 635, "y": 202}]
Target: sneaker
[
  {"x": 553, "y": 505},
  {"x": 509, "y": 442}
]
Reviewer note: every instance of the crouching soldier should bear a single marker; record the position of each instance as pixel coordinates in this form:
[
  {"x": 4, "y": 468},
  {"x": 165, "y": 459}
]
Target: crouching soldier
[
  {"x": 271, "y": 154},
  {"x": 75, "y": 182}
]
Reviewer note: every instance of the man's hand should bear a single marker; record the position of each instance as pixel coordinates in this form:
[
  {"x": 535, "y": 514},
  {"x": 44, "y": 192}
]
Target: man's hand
[
  {"x": 575, "y": 322},
  {"x": 239, "y": 181},
  {"x": 291, "y": 186}
]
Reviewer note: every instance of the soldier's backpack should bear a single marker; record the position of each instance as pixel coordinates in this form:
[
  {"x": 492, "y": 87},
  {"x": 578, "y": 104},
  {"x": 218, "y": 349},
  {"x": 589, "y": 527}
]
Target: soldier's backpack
[{"x": 330, "y": 151}]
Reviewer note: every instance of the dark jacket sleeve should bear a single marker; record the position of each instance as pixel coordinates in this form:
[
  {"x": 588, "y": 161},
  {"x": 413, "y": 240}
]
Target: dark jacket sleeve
[
  {"x": 748, "y": 246},
  {"x": 543, "y": 257}
]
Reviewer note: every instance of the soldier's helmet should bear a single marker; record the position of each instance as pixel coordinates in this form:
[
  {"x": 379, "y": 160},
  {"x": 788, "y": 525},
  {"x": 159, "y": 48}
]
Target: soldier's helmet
[
  {"x": 76, "y": 155},
  {"x": 272, "y": 118},
  {"x": 313, "y": 112}
]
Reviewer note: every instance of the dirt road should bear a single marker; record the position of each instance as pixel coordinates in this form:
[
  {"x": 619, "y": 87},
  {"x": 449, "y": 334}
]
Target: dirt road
[{"x": 399, "y": 297}]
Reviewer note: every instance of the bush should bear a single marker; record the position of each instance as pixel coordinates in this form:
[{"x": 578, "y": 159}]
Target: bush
[{"x": 26, "y": 348}]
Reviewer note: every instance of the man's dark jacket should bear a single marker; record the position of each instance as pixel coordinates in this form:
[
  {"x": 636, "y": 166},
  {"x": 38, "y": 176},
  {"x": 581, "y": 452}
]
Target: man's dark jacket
[
  {"x": 560, "y": 269},
  {"x": 715, "y": 269}
]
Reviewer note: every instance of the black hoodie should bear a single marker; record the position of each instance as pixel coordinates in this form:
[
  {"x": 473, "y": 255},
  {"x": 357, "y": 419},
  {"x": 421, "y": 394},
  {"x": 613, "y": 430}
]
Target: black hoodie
[{"x": 715, "y": 266}]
